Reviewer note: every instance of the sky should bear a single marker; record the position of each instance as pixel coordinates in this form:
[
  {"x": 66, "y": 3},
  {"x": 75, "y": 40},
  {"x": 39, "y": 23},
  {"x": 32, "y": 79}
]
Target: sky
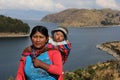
[{"x": 37, "y": 9}]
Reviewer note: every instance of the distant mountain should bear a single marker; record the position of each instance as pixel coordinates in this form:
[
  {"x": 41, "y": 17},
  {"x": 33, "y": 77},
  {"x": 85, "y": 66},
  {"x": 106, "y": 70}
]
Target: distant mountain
[
  {"x": 24, "y": 14},
  {"x": 84, "y": 17}
]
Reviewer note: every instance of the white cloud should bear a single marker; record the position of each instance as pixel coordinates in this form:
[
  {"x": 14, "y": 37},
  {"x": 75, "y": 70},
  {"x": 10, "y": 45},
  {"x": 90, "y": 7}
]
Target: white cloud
[
  {"x": 108, "y": 4},
  {"x": 21, "y": 8},
  {"x": 55, "y": 5},
  {"x": 76, "y": 3},
  {"x": 46, "y": 5}
]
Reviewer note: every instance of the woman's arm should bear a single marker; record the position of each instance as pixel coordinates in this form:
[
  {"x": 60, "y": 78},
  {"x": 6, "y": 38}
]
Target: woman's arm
[
  {"x": 56, "y": 66},
  {"x": 20, "y": 73}
]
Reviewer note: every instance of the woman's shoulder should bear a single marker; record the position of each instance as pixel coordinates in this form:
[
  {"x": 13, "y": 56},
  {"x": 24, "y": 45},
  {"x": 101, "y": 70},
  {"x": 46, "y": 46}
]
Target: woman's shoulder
[
  {"x": 52, "y": 50},
  {"x": 54, "y": 53},
  {"x": 27, "y": 51}
]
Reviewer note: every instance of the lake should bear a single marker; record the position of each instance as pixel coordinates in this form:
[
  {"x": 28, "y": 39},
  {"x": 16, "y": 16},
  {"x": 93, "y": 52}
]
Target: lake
[{"x": 84, "y": 51}]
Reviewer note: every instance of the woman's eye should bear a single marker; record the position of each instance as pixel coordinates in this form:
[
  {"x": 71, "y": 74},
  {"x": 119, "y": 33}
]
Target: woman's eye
[
  {"x": 41, "y": 37},
  {"x": 34, "y": 36},
  {"x": 38, "y": 37}
]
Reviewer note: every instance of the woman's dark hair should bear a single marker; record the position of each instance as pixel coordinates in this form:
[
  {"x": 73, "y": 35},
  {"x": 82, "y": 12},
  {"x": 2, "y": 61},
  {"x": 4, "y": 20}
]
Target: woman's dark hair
[{"x": 41, "y": 29}]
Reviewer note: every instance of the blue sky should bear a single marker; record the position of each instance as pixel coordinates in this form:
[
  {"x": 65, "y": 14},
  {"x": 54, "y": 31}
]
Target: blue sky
[{"x": 36, "y": 9}]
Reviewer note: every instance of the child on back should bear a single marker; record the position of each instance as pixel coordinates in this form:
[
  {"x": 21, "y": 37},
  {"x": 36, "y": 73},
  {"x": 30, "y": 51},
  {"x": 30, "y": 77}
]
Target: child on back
[{"x": 60, "y": 41}]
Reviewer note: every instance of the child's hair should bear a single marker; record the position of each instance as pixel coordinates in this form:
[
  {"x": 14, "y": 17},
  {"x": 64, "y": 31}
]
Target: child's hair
[{"x": 62, "y": 29}]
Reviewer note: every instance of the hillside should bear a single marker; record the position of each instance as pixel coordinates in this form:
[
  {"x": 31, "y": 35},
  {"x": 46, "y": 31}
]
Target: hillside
[
  {"x": 10, "y": 26},
  {"x": 109, "y": 70},
  {"x": 84, "y": 17}
]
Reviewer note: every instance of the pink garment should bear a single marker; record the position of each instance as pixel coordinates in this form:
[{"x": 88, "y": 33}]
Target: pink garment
[{"x": 55, "y": 67}]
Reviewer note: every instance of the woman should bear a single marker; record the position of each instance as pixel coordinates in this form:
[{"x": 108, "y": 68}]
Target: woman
[
  {"x": 39, "y": 62},
  {"x": 60, "y": 41}
]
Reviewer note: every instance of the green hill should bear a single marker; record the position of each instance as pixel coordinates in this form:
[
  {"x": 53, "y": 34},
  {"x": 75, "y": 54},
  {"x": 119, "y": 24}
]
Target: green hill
[{"x": 10, "y": 25}]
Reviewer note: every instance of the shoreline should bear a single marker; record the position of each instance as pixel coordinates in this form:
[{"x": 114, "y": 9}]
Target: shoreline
[
  {"x": 109, "y": 51},
  {"x": 112, "y": 48},
  {"x": 99, "y": 26},
  {"x": 5, "y": 35}
]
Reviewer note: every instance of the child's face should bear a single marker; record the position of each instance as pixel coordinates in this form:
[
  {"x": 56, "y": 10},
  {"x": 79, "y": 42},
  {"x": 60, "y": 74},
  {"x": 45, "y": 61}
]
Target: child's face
[{"x": 58, "y": 36}]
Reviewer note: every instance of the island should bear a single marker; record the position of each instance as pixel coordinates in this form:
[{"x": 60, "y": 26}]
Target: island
[
  {"x": 10, "y": 27},
  {"x": 84, "y": 17}
]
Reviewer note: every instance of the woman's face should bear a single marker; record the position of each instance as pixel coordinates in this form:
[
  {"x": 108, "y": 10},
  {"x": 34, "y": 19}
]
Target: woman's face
[
  {"x": 58, "y": 36},
  {"x": 39, "y": 40}
]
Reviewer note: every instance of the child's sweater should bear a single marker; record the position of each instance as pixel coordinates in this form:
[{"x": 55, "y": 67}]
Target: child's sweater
[{"x": 64, "y": 47}]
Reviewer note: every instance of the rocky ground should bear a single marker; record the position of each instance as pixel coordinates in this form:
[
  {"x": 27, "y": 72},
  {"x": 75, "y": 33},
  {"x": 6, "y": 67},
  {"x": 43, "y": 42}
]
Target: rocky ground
[{"x": 102, "y": 71}]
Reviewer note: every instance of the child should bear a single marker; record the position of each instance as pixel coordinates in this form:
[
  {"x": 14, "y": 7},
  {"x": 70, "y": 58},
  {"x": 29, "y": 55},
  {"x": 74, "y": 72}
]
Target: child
[{"x": 60, "y": 41}]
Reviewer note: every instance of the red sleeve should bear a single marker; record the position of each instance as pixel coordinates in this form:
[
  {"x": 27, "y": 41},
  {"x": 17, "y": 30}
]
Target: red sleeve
[
  {"x": 49, "y": 45},
  {"x": 20, "y": 73},
  {"x": 56, "y": 66}
]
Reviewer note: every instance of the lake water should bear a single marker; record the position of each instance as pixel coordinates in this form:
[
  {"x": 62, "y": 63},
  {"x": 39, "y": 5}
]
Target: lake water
[{"x": 84, "y": 51}]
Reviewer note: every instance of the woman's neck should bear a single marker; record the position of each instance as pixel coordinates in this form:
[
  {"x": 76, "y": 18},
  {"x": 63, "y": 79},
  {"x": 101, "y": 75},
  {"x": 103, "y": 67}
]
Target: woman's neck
[{"x": 39, "y": 50}]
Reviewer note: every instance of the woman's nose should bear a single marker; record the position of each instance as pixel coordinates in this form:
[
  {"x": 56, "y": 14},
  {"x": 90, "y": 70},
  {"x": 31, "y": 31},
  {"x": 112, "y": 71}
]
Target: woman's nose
[{"x": 38, "y": 39}]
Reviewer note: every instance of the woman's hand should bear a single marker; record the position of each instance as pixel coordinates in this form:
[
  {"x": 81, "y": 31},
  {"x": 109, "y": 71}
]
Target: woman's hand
[
  {"x": 36, "y": 62},
  {"x": 39, "y": 64}
]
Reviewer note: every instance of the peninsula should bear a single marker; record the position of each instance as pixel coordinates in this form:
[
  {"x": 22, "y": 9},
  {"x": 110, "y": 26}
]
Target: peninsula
[
  {"x": 84, "y": 17},
  {"x": 112, "y": 48},
  {"x": 10, "y": 27}
]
